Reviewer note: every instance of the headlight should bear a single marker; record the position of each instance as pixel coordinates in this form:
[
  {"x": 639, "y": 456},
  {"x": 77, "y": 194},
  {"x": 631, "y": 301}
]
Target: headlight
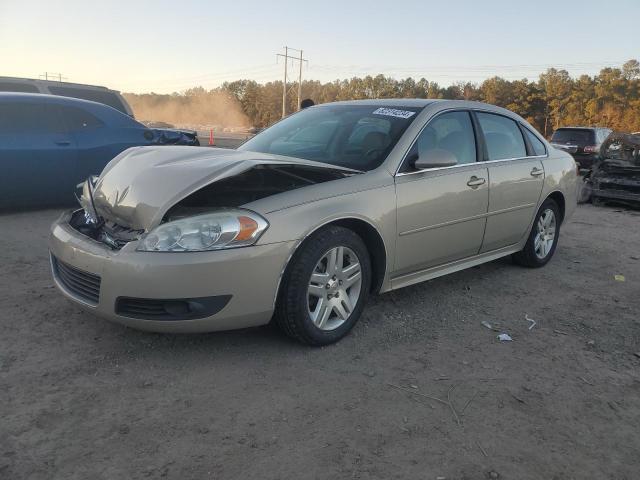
[{"x": 213, "y": 231}]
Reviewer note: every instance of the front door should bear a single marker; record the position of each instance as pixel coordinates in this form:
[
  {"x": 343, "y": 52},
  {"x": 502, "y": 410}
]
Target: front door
[{"x": 441, "y": 212}]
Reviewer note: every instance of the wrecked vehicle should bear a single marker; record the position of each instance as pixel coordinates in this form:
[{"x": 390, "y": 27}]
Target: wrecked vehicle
[
  {"x": 49, "y": 144},
  {"x": 615, "y": 175},
  {"x": 175, "y": 136},
  {"x": 309, "y": 218}
]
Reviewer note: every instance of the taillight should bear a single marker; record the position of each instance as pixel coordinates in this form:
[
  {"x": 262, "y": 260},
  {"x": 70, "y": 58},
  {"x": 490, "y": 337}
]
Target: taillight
[{"x": 590, "y": 149}]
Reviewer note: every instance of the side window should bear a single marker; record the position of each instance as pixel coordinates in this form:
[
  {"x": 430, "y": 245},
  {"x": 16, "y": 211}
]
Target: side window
[
  {"x": 28, "y": 118},
  {"x": 502, "y": 136},
  {"x": 77, "y": 119},
  {"x": 453, "y": 132},
  {"x": 538, "y": 146}
]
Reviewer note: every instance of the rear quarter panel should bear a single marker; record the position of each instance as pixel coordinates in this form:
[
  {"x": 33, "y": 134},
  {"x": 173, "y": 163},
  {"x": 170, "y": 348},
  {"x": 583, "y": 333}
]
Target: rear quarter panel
[{"x": 560, "y": 175}]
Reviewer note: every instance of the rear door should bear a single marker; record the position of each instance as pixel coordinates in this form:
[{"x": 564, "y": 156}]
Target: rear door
[
  {"x": 101, "y": 134},
  {"x": 37, "y": 157},
  {"x": 92, "y": 137},
  {"x": 516, "y": 177}
]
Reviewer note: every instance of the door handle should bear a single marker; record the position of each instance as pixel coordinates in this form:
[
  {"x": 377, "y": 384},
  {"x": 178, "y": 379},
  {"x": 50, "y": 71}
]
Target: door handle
[
  {"x": 475, "y": 182},
  {"x": 536, "y": 172},
  {"x": 63, "y": 143}
]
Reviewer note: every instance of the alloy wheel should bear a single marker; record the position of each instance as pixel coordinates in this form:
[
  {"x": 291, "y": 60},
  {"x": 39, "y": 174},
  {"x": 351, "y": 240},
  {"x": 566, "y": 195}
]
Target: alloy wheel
[
  {"x": 334, "y": 288},
  {"x": 545, "y": 233}
]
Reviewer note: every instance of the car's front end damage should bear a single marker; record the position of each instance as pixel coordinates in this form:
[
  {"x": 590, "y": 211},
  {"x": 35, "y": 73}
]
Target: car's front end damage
[
  {"x": 175, "y": 136},
  {"x": 616, "y": 174},
  {"x": 162, "y": 241}
]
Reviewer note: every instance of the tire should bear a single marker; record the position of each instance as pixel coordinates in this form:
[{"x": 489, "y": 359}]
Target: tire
[
  {"x": 533, "y": 255},
  {"x": 301, "y": 296}
]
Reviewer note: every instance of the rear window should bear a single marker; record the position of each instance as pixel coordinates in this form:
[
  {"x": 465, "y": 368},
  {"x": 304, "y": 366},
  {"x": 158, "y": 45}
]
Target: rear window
[
  {"x": 28, "y": 118},
  {"x": 502, "y": 137},
  {"x": 101, "y": 96},
  {"x": 18, "y": 87},
  {"x": 580, "y": 136}
]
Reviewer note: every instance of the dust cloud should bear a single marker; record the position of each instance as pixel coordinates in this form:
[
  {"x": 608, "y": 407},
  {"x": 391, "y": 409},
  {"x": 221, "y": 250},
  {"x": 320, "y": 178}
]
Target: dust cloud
[{"x": 194, "y": 109}]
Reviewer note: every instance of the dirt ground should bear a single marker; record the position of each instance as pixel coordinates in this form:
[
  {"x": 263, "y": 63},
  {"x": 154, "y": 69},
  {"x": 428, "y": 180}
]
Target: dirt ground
[{"x": 81, "y": 398}]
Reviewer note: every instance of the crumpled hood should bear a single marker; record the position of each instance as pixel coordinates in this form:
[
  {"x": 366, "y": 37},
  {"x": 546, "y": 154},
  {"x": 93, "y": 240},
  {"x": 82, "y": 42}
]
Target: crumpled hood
[{"x": 138, "y": 186}]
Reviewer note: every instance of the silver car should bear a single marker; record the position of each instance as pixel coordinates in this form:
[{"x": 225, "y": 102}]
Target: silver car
[{"x": 309, "y": 218}]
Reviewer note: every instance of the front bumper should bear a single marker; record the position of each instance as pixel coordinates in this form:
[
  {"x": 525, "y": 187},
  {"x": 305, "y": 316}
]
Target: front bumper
[{"x": 249, "y": 275}]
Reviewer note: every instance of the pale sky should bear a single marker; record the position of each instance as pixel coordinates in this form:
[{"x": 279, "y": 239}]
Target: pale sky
[{"x": 166, "y": 46}]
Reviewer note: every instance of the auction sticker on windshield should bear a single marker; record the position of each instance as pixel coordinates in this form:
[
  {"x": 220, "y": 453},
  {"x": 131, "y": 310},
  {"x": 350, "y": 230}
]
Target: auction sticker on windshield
[{"x": 392, "y": 112}]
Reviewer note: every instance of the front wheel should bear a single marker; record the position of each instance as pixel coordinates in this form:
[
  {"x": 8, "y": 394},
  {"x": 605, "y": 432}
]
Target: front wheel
[
  {"x": 325, "y": 287},
  {"x": 543, "y": 239}
]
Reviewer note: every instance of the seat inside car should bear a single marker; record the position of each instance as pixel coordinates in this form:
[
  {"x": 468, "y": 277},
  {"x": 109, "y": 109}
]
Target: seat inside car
[
  {"x": 499, "y": 145},
  {"x": 376, "y": 143},
  {"x": 456, "y": 143}
]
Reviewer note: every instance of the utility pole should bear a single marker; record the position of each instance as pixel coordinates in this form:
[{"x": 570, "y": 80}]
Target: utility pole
[
  {"x": 300, "y": 59},
  {"x": 46, "y": 76},
  {"x": 284, "y": 84},
  {"x": 300, "y": 81}
]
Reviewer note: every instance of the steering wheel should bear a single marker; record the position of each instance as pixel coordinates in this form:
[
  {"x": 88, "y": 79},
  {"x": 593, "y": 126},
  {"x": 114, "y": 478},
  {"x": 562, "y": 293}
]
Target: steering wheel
[{"x": 369, "y": 154}]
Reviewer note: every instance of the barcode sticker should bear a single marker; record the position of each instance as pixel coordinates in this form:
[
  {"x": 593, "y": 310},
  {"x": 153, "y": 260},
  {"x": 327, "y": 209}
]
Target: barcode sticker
[{"x": 392, "y": 112}]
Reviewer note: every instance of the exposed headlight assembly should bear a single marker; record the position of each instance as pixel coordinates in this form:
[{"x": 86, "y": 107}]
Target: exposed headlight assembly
[{"x": 213, "y": 231}]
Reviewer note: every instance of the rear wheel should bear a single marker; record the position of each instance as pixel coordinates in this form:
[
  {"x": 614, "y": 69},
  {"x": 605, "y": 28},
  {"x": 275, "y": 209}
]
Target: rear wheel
[
  {"x": 325, "y": 287},
  {"x": 543, "y": 239}
]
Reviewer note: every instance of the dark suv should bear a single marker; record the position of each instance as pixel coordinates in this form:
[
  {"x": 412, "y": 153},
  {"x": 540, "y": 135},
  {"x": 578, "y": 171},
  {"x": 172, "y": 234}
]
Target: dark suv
[{"x": 583, "y": 143}]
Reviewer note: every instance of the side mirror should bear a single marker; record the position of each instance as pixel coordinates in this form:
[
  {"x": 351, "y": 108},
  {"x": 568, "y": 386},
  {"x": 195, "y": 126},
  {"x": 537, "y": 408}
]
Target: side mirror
[{"x": 436, "y": 158}]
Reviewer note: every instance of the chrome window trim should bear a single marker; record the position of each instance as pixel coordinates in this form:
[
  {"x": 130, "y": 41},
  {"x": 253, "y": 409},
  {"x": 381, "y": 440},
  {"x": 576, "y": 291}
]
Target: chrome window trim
[
  {"x": 478, "y": 164},
  {"x": 462, "y": 109}
]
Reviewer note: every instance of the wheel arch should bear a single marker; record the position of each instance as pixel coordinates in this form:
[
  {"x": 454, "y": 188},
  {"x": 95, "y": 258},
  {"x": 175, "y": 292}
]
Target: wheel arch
[
  {"x": 558, "y": 197},
  {"x": 370, "y": 236}
]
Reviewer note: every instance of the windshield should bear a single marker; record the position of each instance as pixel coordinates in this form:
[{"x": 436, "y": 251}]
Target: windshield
[
  {"x": 574, "y": 135},
  {"x": 352, "y": 136}
]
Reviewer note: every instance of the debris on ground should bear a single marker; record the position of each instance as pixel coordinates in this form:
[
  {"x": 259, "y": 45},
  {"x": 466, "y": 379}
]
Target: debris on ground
[
  {"x": 619, "y": 278},
  {"x": 530, "y": 320},
  {"x": 505, "y": 337},
  {"x": 486, "y": 324}
]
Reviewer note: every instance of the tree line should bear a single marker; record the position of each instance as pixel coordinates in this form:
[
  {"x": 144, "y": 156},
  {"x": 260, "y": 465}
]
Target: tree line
[{"x": 609, "y": 99}]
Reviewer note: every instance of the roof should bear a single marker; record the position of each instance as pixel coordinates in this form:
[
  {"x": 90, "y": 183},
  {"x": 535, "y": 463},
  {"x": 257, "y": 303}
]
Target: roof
[
  {"x": 582, "y": 128},
  {"x": 54, "y": 82},
  {"x": 389, "y": 102},
  {"x": 46, "y": 98},
  {"x": 425, "y": 102}
]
